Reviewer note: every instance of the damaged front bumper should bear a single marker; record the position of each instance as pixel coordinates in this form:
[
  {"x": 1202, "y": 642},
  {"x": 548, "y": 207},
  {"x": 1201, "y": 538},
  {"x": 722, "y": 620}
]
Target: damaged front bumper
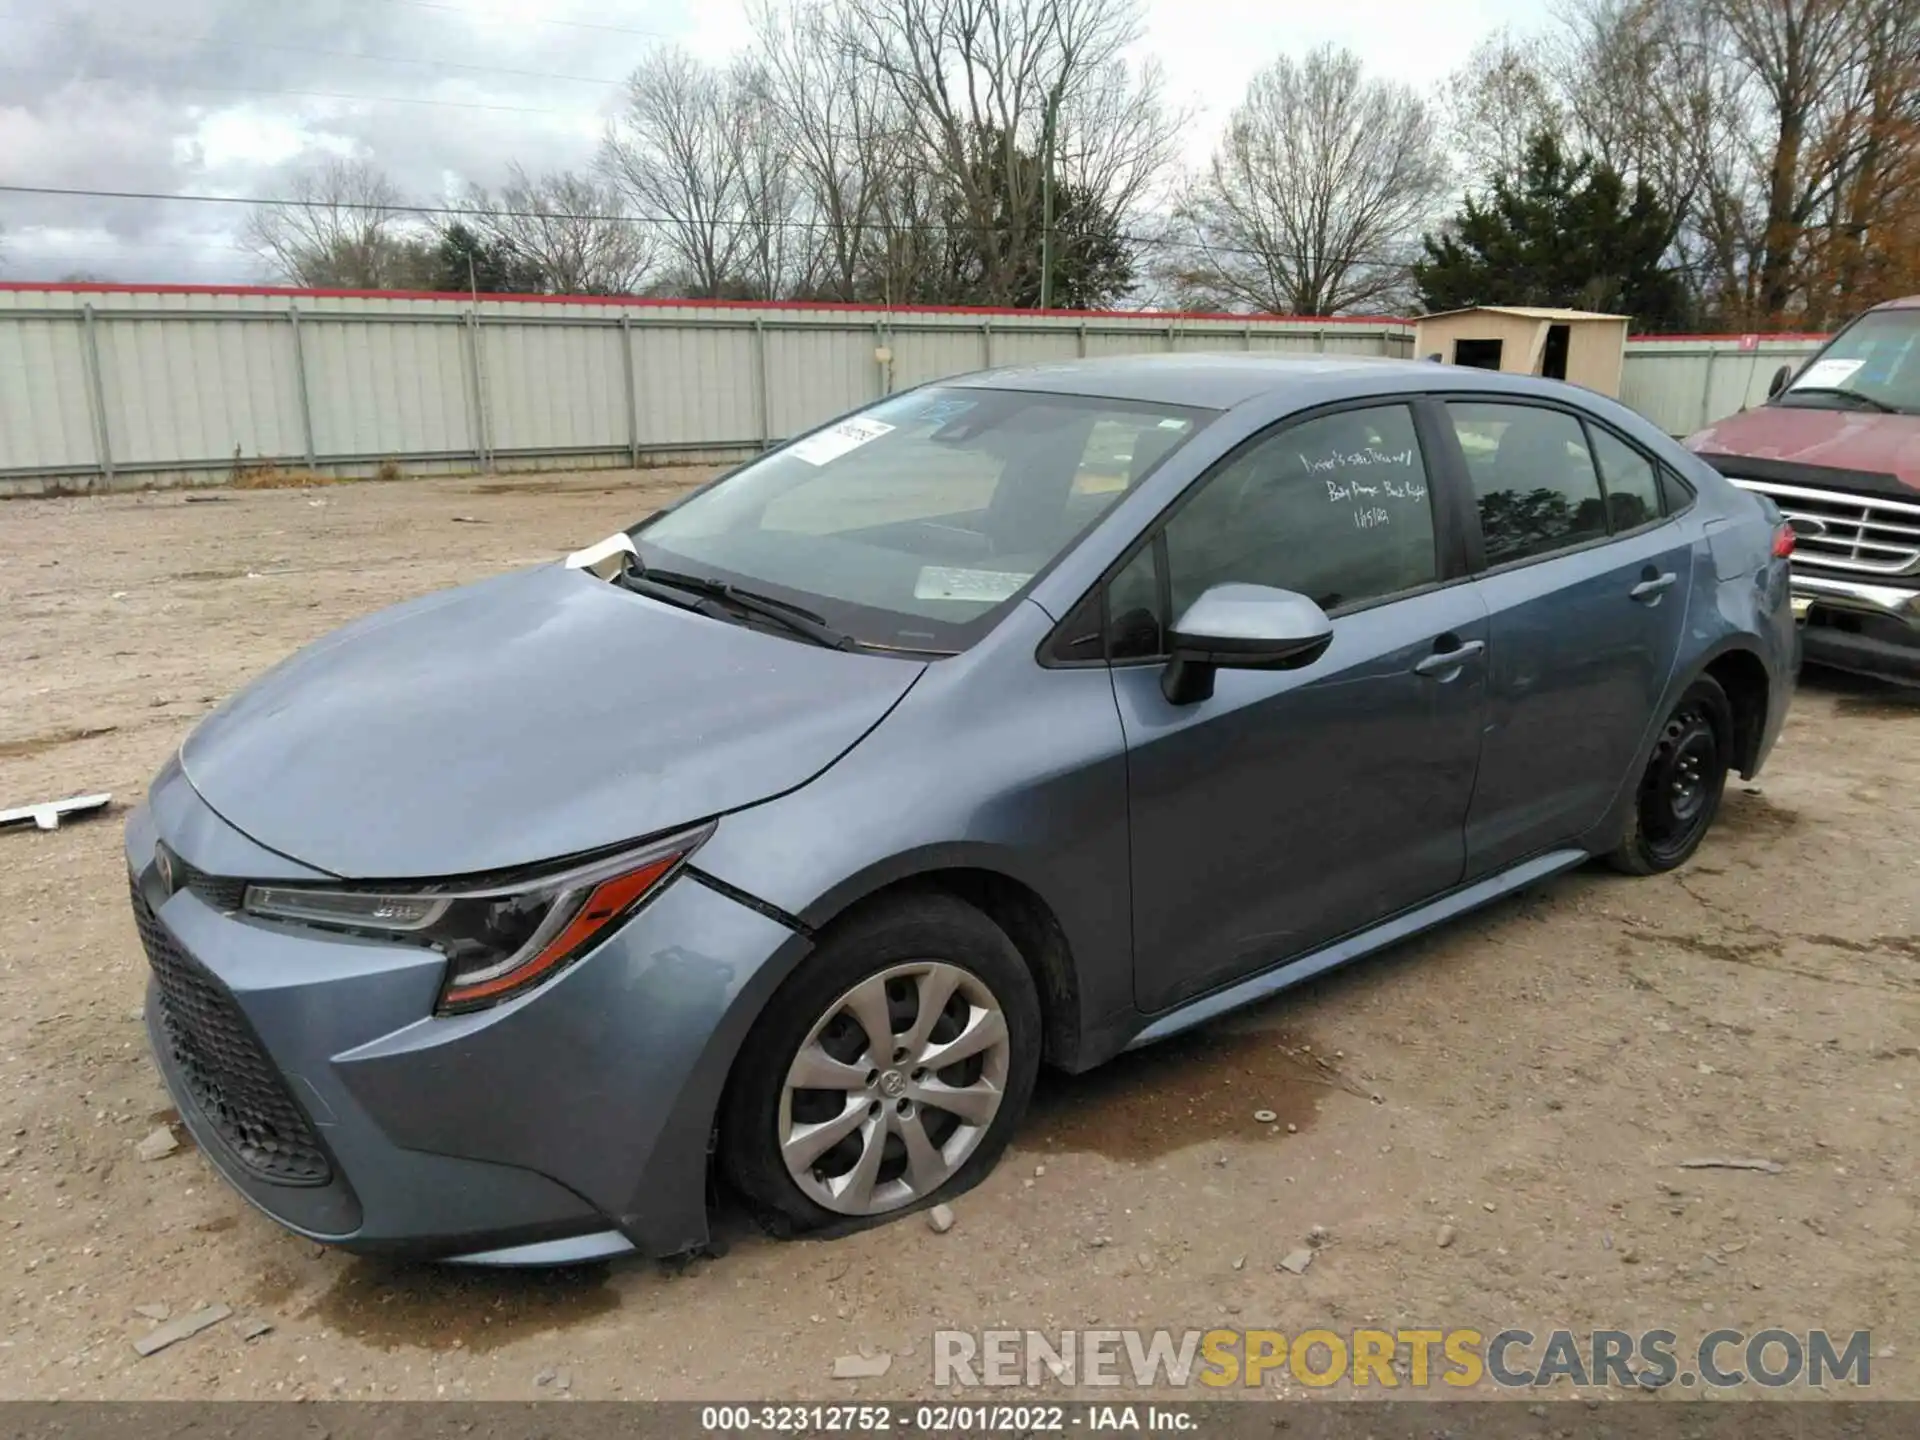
[{"x": 568, "y": 1124}]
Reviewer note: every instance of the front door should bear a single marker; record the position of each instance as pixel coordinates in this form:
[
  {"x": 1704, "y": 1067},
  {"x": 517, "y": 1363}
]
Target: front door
[
  {"x": 1294, "y": 807},
  {"x": 1586, "y": 595}
]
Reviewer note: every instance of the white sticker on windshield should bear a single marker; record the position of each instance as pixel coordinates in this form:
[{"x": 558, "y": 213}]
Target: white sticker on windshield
[
  {"x": 938, "y": 582},
  {"x": 836, "y": 440},
  {"x": 1826, "y": 374}
]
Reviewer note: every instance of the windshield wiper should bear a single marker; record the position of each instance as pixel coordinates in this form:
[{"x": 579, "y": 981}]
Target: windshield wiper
[
  {"x": 794, "y": 618},
  {"x": 1867, "y": 400}
]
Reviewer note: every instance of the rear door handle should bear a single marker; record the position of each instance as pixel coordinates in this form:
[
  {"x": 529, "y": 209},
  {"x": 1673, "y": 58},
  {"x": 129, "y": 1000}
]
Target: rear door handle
[
  {"x": 1653, "y": 588},
  {"x": 1445, "y": 662}
]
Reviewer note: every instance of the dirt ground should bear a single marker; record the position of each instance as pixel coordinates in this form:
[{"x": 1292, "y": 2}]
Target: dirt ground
[{"x": 1530, "y": 1077}]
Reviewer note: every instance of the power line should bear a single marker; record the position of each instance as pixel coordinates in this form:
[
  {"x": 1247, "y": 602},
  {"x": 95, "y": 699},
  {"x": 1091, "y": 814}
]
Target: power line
[{"x": 483, "y": 213}]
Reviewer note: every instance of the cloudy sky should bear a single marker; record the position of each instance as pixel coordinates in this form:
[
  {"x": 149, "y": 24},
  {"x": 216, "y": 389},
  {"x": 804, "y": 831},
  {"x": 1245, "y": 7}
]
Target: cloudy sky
[{"x": 228, "y": 97}]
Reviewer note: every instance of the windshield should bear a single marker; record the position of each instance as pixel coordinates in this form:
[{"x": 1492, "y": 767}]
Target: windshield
[
  {"x": 914, "y": 524},
  {"x": 1874, "y": 364}
]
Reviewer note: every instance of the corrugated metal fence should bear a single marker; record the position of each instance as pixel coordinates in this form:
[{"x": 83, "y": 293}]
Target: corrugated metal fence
[
  {"x": 1684, "y": 382},
  {"x": 118, "y": 387}
]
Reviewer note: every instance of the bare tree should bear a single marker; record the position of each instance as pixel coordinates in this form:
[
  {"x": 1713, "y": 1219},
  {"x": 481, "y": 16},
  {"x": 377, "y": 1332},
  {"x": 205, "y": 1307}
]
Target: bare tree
[
  {"x": 1118, "y": 139},
  {"x": 1867, "y": 251},
  {"x": 1782, "y": 135},
  {"x": 984, "y": 85},
  {"x": 1646, "y": 90},
  {"x": 1317, "y": 193},
  {"x": 343, "y": 225},
  {"x": 1797, "y": 54},
  {"x": 841, "y": 130},
  {"x": 1496, "y": 103},
  {"x": 776, "y": 254},
  {"x": 574, "y": 230},
  {"x": 679, "y": 155}
]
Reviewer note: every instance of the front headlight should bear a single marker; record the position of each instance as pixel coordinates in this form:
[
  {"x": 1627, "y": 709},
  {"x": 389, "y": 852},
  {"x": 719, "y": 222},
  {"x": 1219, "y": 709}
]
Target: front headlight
[{"x": 499, "y": 939}]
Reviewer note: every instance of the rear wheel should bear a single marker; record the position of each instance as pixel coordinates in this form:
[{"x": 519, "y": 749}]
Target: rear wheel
[
  {"x": 890, "y": 1069},
  {"x": 1681, "y": 788}
]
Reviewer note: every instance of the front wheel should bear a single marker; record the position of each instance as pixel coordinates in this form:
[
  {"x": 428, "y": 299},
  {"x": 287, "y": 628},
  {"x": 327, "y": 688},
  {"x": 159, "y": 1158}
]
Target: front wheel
[
  {"x": 891, "y": 1068},
  {"x": 1681, "y": 787}
]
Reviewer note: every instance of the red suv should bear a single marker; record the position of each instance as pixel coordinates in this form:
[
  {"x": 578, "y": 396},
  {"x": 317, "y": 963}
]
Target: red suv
[{"x": 1837, "y": 447}]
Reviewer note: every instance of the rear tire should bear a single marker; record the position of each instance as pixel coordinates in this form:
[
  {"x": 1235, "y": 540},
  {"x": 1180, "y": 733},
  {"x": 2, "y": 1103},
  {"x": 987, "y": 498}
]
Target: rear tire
[
  {"x": 825, "y": 1126},
  {"x": 1680, "y": 789}
]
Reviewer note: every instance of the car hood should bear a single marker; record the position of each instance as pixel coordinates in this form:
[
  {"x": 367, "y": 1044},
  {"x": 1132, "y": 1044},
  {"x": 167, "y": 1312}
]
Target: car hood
[
  {"x": 1832, "y": 439},
  {"x": 520, "y": 719}
]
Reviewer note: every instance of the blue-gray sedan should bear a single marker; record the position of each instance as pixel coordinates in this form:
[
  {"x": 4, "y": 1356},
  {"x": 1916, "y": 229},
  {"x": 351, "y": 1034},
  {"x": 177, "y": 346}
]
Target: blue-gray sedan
[{"x": 1022, "y": 718}]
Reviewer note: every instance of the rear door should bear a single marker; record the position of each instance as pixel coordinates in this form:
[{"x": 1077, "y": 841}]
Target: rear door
[
  {"x": 1586, "y": 591},
  {"x": 1294, "y": 807}
]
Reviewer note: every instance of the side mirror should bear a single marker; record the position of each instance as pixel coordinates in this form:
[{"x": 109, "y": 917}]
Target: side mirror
[
  {"x": 1779, "y": 381},
  {"x": 1241, "y": 627}
]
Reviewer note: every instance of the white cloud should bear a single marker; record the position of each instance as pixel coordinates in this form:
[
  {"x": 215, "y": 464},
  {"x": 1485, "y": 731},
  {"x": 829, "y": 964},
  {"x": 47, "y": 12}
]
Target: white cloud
[
  {"x": 227, "y": 96},
  {"x": 257, "y": 135}
]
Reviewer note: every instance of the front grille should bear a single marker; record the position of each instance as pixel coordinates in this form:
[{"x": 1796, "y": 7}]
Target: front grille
[
  {"x": 226, "y": 1072},
  {"x": 1835, "y": 530}
]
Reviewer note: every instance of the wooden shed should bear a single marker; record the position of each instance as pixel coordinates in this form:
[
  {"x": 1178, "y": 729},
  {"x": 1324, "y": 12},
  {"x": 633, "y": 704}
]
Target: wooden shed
[{"x": 1581, "y": 346}]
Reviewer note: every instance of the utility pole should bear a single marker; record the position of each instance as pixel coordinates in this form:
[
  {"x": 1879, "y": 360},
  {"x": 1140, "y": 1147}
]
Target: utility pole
[
  {"x": 1046, "y": 211},
  {"x": 1054, "y": 97},
  {"x": 1046, "y": 193}
]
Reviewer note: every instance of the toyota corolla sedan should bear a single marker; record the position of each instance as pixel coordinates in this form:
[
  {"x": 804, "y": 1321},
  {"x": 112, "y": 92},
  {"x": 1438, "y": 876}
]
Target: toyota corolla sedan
[{"x": 1023, "y": 718}]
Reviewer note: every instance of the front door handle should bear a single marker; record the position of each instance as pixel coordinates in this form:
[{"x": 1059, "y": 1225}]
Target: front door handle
[
  {"x": 1446, "y": 662},
  {"x": 1653, "y": 587}
]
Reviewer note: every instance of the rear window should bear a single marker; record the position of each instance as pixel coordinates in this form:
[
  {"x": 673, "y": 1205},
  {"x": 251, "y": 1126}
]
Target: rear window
[{"x": 1533, "y": 477}]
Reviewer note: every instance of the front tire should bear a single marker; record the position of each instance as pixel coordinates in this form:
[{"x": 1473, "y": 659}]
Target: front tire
[
  {"x": 889, "y": 1070},
  {"x": 1681, "y": 787}
]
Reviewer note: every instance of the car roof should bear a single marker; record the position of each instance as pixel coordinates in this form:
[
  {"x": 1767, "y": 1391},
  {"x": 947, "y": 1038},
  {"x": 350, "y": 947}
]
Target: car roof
[{"x": 1224, "y": 380}]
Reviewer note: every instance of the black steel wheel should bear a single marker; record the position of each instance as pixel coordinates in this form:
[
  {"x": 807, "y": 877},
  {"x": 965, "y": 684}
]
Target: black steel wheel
[{"x": 1680, "y": 789}]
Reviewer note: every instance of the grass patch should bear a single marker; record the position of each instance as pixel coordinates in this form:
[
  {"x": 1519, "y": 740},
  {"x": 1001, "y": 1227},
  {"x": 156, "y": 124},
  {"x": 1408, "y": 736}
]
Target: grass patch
[{"x": 269, "y": 475}]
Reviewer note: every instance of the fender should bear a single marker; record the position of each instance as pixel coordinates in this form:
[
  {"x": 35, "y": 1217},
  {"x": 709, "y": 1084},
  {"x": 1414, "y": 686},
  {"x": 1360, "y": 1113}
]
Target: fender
[{"x": 1607, "y": 835}]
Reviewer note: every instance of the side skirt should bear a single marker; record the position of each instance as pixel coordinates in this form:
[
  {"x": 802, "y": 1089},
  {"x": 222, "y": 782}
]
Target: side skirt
[{"x": 1387, "y": 932}]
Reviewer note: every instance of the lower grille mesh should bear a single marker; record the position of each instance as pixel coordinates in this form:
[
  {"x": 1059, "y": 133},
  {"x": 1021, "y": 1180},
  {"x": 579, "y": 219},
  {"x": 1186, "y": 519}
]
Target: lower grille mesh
[
  {"x": 217, "y": 891},
  {"x": 230, "y": 1077}
]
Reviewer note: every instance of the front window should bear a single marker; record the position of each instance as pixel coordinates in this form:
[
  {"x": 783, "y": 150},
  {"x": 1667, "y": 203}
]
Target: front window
[
  {"x": 915, "y": 524},
  {"x": 1873, "y": 364},
  {"x": 1335, "y": 508}
]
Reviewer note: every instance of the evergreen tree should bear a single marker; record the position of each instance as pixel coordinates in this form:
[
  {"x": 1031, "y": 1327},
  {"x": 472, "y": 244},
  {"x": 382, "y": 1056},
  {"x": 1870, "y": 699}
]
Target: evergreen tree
[
  {"x": 1569, "y": 232},
  {"x": 462, "y": 261}
]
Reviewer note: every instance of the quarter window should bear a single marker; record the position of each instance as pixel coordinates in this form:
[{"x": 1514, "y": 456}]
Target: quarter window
[
  {"x": 1133, "y": 609},
  {"x": 1335, "y": 508},
  {"x": 1676, "y": 492},
  {"x": 1533, "y": 477},
  {"x": 1633, "y": 491}
]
